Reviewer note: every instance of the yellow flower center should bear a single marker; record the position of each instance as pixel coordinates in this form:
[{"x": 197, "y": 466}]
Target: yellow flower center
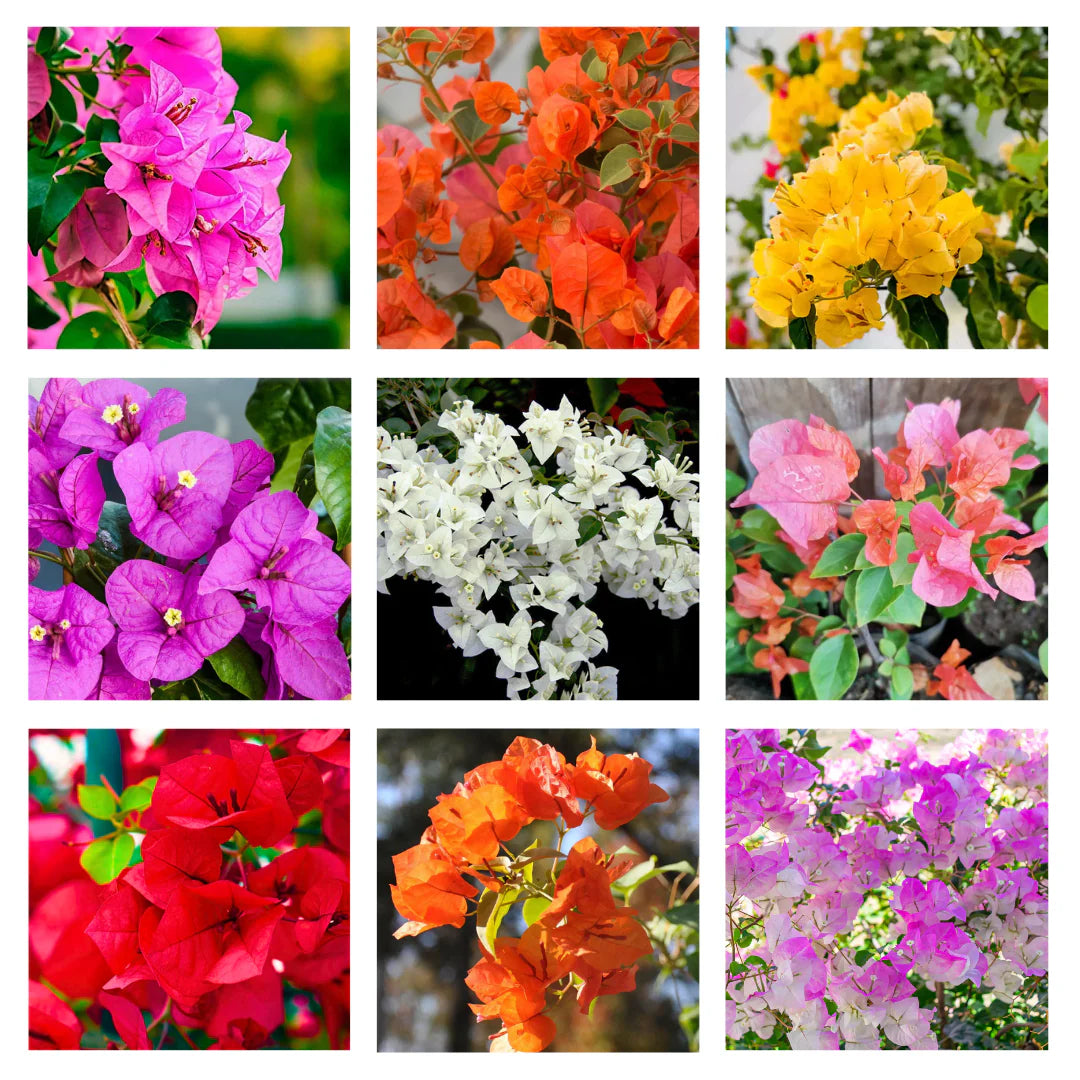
[
  {"x": 186, "y": 478},
  {"x": 113, "y": 414},
  {"x": 133, "y": 408},
  {"x": 65, "y": 624},
  {"x": 174, "y": 617},
  {"x": 37, "y": 633}
]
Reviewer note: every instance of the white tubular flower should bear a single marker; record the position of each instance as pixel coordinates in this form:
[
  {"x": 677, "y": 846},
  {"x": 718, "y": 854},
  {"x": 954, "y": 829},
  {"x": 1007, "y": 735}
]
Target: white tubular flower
[
  {"x": 511, "y": 641},
  {"x": 543, "y": 429},
  {"x": 553, "y": 590},
  {"x": 554, "y": 521},
  {"x": 528, "y": 501},
  {"x": 559, "y": 663}
]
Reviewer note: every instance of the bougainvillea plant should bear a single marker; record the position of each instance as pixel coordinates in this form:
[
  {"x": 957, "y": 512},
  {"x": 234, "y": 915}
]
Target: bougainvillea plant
[
  {"x": 882, "y": 200},
  {"x": 578, "y": 937},
  {"x": 147, "y": 209},
  {"x": 213, "y": 579},
  {"x": 518, "y": 539},
  {"x": 580, "y": 217},
  {"x": 893, "y": 897},
  {"x": 211, "y": 911},
  {"x": 805, "y": 579}
]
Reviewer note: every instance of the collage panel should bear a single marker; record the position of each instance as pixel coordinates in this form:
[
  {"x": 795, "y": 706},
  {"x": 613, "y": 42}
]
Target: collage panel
[
  {"x": 189, "y": 889},
  {"x": 538, "y": 890}
]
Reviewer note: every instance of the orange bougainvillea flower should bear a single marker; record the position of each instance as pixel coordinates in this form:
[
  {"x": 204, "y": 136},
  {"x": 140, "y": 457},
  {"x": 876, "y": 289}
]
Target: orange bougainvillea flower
[
  {"x": 470, "y": 825},
  {"x": 878, "y": 520},
  {"x": 778, "y": 664},
  {"x": 487, "y": 246},
  {"x": 410, "y": 320},
  {"x": 495, "y": 102},
  {"x": 756, "y": 595},
  {"x": 679, "y": 322},
  {"x": 586, "y": 280},
  {"x": 537, "y": 778},
  {"x": 565, "y": 127},
  {"x": 952, "y": 680},
  {"x": 774, "y": 631},
  {"x": 524, "y": 293},
  {"x": 616, "y": 785},
  {"x": 532, "y": 1035},
  {"x": 391, "y": 193},
  {"x": 429, "y": 890}
]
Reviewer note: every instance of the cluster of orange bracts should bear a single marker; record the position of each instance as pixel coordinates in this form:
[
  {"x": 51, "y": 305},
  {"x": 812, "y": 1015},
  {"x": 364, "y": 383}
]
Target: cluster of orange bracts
[
  {"x": 620, "y": 270},
  {"x": 582, "y": 936}
]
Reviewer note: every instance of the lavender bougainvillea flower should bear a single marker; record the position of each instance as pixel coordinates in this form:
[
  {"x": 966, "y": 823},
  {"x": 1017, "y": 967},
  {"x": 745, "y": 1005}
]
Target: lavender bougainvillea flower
[
  {"x": 113, "y": 414},
  {"x": 65, "y": 508},
  {"x": 167, "y": 629},
  {"x": 68, "y": 630},
  {"x": 90, "y": 238},
  {"x": 116, "y": 683},
  {"x": 277, "y": 552},
  {"x": 47, "y": 418},
  {"x": 299, "y": 661},
  {"x": 175, "y": 493},
  {"x": 252, "y": 468}
]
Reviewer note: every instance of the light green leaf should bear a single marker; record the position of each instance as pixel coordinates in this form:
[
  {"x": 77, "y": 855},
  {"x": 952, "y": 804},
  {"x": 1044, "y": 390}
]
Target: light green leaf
[
  {"x": 833, "y": 667},
  {"x": 136, "y": 797},
  {"x": 634, "y": 119},
  {"x": 615, "y": 167},
  {"x": 97, "y": 801},
  {"x": 903, "y": 684},
  {"x": 533, "y": 908},
  {"x": 840, "y": 556},
  {"x": 874, "y": 593},
  {"x": 901, "y": 570},
  {"x": 333, "y": 469},
  {"x": 105, "y": 859},
  {"x": 1038, "y": 306},
  {"x": 906, "y": 608}
]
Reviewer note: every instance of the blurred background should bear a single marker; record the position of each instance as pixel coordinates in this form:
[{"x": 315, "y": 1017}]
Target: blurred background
[
  {"x": 296, "y": 80},
  {"x": 423, "y": 1001}
]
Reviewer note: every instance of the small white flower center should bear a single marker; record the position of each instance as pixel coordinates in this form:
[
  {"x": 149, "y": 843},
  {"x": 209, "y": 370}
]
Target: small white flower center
[
  {"x": 113, "y": 414},
  {"x": 37, "y": 633},
  {"x": 65, "y": 624},
  {"x": 174, "y": 617},
  {"x": 186, "y": 478},
  {"x": 133, "y": 408}
]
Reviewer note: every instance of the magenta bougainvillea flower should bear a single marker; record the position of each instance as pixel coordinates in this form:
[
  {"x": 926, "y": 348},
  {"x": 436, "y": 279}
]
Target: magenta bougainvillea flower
[
  {"x": 299, "y": 661},
  {"x": 90, "y": 238},
  {"x": 167, "y": 629},
  {"x": 68, "y": 630},
  {"x": 116, "y": 683},
  {"x": 112, "y": 414},
  {"x": 65, "y": 508},
  {"x": 252, "y": 468},
  {"x": 175, "y": 492},
  {"x": 47, "y": 418},
  {"x": 277, "y": 552}
]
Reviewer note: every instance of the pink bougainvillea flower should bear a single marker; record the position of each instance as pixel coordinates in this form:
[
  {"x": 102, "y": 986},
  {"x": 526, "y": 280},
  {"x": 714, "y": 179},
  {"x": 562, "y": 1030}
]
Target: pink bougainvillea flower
[
  {"x": 277, "y": 552},
  {"x": 985, "y": 516},
  {"x": 306, "y": 661},
  {"x": 1010, "y": 573},
  {"x": 167, "y": 629},
  {"x": 39, "y": 87},
  {"x": 932, "y": 428},
  {"x": 68, "y": 630},
  {"x": 65, "y": 508},
  {"x": 903, "y": 480},
  {"x": 945, "y": 568},
  {"x": 209, "y": 791},
  {"x": 1036, "y": 388},
  {"x": 47, "y": 418},
  {"x": 979, "y": 464},
  {"x": 252, "y": 468},
  {"x": 90, "y": 238},
  {"x": 176, "y": 491},
  {"x": 112, "y": 414}
]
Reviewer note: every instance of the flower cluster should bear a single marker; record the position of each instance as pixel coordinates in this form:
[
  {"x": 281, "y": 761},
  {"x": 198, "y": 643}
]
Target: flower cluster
[
  {"x": 492, "y": 519},
  {"x": 186, "y": 194},
  {"x": 222, "y": 908},
  {"x": 857, "y": 884},
  {"x": 218, "y": 555},
  {"x": 857, "y": 216},
  {"x": 577, "y": 935},
  {"x": 621, "y": 270},
  {"x": 795, "y": 98}
]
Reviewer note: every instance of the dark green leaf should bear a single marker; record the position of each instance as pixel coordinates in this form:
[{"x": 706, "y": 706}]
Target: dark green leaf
[
  {"x": 237, "y": 666},
  {"x": 423, "y": 35},
  {"x": 684, "y": 133},
  {"x": 927, "y": 318},
  {"x": 283, "y": 411},
  {"x": 906, "y": 608},
  {"x": 39, "y": 177},
  {"x": 983, "y": 312},
  {"x": 439, "y": 113},
  {"x": 102, "y": 130},
  {"x": 176, "y": 306},
  {"x": 304, "y": 486},
  {"x": 588, "y": 527},
  {"x": 62, "y": 101},
  {"x": 684, "y": 915},
  {"x": 51, "y": 38},
  {"x": 634, "y": 47},
  {"x": 840, "y": 556},
  {"x": 1039, "y": 231},
  {"x": 604, "y": 394},
  {"x": 464, "y": 115},
  {"x": 172, "y": 334},
  {"x": 39, "y": 315},
  {"x": 428, "y": 431},
  {"x": 63, "y": 136},
  {"x": 62, "y": 197},
  {"x": 94, "y": 330},
  {"x": 333, "y": 468},
  {"x": 735, "y": 484},
  {"x": 833, "y": 667},
  {"x": 802, "y": 331},
  {"x": 759, "y": 525},
  {"x": 874, "y": 593}
]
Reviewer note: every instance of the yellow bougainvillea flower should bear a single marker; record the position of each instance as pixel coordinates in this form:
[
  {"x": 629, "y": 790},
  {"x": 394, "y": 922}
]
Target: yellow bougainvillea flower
[
  {"x": 842, "y": 321},
  {"x": 883, "y": 127}
]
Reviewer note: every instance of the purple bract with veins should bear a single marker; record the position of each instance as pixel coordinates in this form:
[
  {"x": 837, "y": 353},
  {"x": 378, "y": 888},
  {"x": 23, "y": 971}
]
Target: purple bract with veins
[
  {"x": 47, "y": 418},
  {"x": 277, "y": 552},
  {"x": 252, "y": 468},
  {"x": 90, "y": 238},
  {"x": 175, "y": 493},
  {"x": 167, "y": 629},
  {"x": 113, "y": 414},
  {"x": 299, "y": 661},
  {"x": 65, "y": 508},
  {"x": 116, "y": 683},
  {"x": 68, "y": 629}
]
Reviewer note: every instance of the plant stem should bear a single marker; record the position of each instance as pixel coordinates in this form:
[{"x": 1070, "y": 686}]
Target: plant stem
[
  {"x": 45, "y": 555},
  {"x": 868, "y": 641},
  {"x": 106, "y": 290}
]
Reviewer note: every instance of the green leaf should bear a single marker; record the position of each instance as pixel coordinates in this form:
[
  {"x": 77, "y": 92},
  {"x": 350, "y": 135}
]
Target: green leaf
[
  {"x": 136, "y": 797},
  {"x": 684, "y": 133},
  {"x": 780, "y": 558},
  {"x": 173, "y": 334},
  {"x": 285, "y": 410},
  {"x": 436, "y": 110},
  {"x": 1044, "y": 654},
  {"x": 62, "y": 101},
  {"x": 175, "y": 306},
  {"x": 685, "y": 915},
  {"x": 663, "y": 111},
  {"x": 102, "y": 130},
  {"x": 885, "y": 668},
  {"x": 428, "y": 431},
  {"x": 533, "y": 908},
  {"x": 333, "y": 468},
  {"x": 1039, "y": 231},
  {"x": 888, "y": 648},
  {"x": 464, "y": 115},
  {"x": 874, "y": 593},
  {"x": 1028, "y": 162},
  {"x": 759, "y": 525},
  {"x": 616, "y": 165},
  {"x": 735, "y": 485},
  {"x": 833, "y": 668},
  {"x": 237, "y": 666},
  {"x": 304, "y": 486},
  {"x": 423, "y": 35},
  {"x": 634, "y": 119},
  {"x": 96, "y": 800},
  {"x": 50, "y": 38},
  {"x": 105, "y": 859},
  {"x": 63, "y": 136},
  {"x": 801, "y": 331},
  {"x": 928, "y": 320},
  {"x": 490, "y": 913},
  {"x": 39, "y": 315},
  {"x": 94, "y": 330},
  {"x": 840, "y": 556},
  {"x": 903, "y": 683},
  {"x": 39, "y": 170},
  {"x": 983, "y": 326},
  {"x": 604, "y": 393},
  {"x": 288, "y": 465},
  {"x": 62, "y": 197},
  {"x": 597, "y": 70},
  {"x": 634, "y": 47},
  {"x": 901, "y": 570},
  {"x": 588, "y": 527},
  {"x": 1038, "y": 306},
  {"x": 906, "y": 608}
]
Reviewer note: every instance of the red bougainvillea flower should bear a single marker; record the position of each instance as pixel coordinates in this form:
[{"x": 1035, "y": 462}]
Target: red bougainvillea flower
[
  {"x": 879, "y": 522},
  {"x": 242, "y": 792},
  {"x": 778, "y": 664},
  {"x": 429, "y": 890},
  {"x": 616, "y": 785},
  {"x": 53, "y": 1026}
]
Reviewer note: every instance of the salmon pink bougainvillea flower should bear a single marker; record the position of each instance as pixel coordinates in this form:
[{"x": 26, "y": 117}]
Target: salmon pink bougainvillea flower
[
  {"x": 1012, "y": 573},
  {"x": 945, "y": 568}
]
